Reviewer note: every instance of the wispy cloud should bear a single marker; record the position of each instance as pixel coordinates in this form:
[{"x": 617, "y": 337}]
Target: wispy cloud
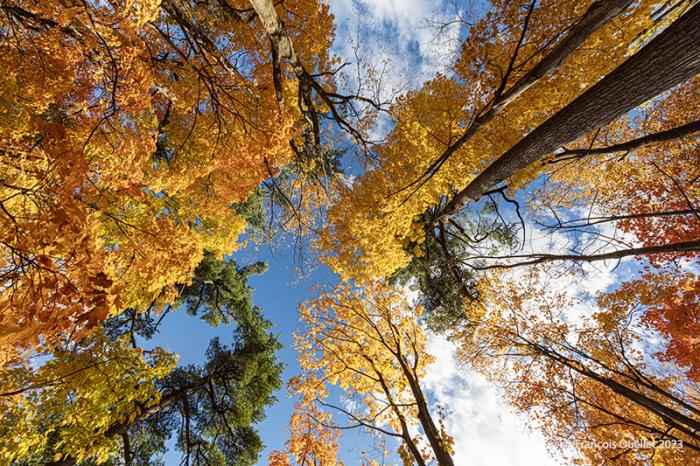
[
  {"x": 395, "y": 38},
  {"x": 486, "y": 429}
]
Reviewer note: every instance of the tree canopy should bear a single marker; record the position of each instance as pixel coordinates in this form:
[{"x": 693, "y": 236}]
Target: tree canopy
[{"x": 536, "y": 202}]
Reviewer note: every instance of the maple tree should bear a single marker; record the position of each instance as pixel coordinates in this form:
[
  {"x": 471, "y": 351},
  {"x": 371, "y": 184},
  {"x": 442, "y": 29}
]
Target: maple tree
[
  {"x": 586, "y": 382},
  {"x": 617, "y": 93},
  {"x": 128, "y": 132},
  {"x": 669, "y": 299},
  {"x": 369, "y": 343},
  {"x": 505, "y": 107},
  {"x": 651, "y": 191},
  {"x": 374, "y": 225},
  {"x": 140, "y": 139},
  {"x": 73, "y": 390}
]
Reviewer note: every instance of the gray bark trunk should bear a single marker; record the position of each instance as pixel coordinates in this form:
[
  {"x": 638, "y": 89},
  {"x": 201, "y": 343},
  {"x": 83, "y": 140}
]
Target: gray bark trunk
[
  {"x": 598, "y": 14},
  {"x": 669, "y": 59}
]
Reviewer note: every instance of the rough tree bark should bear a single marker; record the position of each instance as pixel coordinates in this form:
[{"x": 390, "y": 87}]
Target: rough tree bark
[
  {"x": 598, "y": 15},
  {"x": 669, "y": 59}
]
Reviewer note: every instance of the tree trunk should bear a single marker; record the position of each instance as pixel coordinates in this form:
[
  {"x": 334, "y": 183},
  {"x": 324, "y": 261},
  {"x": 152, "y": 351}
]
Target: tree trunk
[
  {"x": 669, "y": 59},
  {"x": 281, "y": 44},
  {"x": 442, "y": 457},
  {"x": 598, "y": 15},
  {"x": 405, "y": 433},
  {"x": 127, "y": 449}
]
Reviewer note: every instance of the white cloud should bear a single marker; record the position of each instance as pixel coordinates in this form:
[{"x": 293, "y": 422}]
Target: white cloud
[
  {"x": 394, "y": 39},
  {"x": 486, "y": 430}
]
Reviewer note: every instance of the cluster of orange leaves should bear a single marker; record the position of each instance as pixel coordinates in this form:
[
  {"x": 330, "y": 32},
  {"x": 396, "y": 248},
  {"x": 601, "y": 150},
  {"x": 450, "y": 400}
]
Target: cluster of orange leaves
[{"x": 123, "y": 148}]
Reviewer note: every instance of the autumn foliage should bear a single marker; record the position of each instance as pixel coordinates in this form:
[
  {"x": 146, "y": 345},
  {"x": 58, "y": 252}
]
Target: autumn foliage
[
  {"x": 554, "y": 240},
  {"x": 129, "y": 132}
]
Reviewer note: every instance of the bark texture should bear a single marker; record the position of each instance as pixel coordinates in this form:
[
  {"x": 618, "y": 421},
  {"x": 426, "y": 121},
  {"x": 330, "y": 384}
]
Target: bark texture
[
  {"x": 669, "y": 59},
  {"x": 598, "y": 14}
]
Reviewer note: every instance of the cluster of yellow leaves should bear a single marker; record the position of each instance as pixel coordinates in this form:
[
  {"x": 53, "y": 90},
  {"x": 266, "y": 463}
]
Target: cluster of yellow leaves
[
  {"x": 361, "y": 329},
  {"x": 71, "y": 401},
  {"x": 374, "y": 229},
  {"x": 369, "y": 343},
  {"x": 373, "y": 224},
  {"x": 123, "y": 148},
  {"x": 310, "y": 442}
]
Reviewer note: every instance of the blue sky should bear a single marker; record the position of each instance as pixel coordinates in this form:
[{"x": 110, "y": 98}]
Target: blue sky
[
  {"x": 392, "y": 33},
  {"x": 486, "y": 431}
]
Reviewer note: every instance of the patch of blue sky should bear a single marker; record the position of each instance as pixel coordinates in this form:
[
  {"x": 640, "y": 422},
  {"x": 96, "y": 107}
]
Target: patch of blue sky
[{"x": 278, "y": 292}]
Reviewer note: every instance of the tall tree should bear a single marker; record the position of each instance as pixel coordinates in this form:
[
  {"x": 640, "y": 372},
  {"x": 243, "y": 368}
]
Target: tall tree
[
  {"x": 667, "y": 60},
  {"x": 129, "y": 130},
  {"x": 375, "y": 224},
  {"x": 370, "y": 344}
]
